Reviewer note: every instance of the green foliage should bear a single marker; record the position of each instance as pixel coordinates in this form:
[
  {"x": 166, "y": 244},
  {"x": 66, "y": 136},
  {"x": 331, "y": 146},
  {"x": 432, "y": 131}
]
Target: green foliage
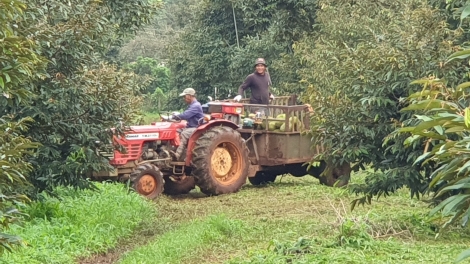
[
  {"x": 152, "y": 68},
  {"x": 444, "y": 122},
  {"x": 233, "y": 229},
  {"x": 80, "y": 96},
  {"x": 209, "y": 55},
  {"x": 14, "y": 150},
  {"x": 155, "y": 93},
  {"x": 78, "y": 223},
  {"x": 358, "y": 66},
  {"x": 154, "y": 40},
  {"x": 20, "y": 64}
]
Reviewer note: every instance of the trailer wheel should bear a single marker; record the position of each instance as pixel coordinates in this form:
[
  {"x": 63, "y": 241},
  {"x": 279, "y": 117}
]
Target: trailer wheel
[
  {"x": 297, "y": 170},
  {"x": 220, "y": 161},
  {"x": 147, "y": 180},
  {"x": 262, "y": 177},
  {"x": 175, "y": 185},
  {"x": 338, "y": 177}
]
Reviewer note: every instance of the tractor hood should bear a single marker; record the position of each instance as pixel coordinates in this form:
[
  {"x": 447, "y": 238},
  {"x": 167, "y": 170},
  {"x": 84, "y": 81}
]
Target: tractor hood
[
  {"x": 158, "y": 131},
  {"x": 159, "y": 126}
]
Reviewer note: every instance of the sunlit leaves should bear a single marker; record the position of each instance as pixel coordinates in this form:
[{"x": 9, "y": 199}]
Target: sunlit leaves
[
  {"x": 207, "y": 55},
  {"x": 450, "y": 151},
  {"x": 80, "y": 96},
  {"x": 20, "y": 65},
  {"x": 358, "y": 67},
  {"x": 14, "y": 168}
]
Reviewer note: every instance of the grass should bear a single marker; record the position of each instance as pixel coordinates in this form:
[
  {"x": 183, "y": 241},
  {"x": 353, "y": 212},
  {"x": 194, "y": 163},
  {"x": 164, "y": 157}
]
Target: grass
[
  {"x": 151, "y": 117},
  {"x": 79, "y": 224},
  {"x": 196, "y": 236},
  {"x": 296, "y": 220}
]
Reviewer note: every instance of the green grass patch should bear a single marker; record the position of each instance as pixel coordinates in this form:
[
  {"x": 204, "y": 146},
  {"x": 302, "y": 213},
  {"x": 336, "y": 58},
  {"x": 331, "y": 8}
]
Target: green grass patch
[
  {"x": 296, "y": 220},
  {"x": 151, "y": 117},
  {"x": 191, "y": 238},
  {"x": 79, "y": 223}
]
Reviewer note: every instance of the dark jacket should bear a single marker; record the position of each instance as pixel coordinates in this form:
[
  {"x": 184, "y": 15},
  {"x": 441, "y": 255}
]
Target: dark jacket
[{"x": 259, "y": 85}]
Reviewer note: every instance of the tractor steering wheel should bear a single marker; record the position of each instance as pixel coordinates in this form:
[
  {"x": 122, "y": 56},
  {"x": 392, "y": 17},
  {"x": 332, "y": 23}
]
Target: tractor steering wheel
[{"x": 169, "y": 117}]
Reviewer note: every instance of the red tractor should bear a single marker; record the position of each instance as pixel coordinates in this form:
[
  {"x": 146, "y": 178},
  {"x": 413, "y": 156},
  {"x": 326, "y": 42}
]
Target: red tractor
[
  {"x": 235, "y": 141},
  {"x": 216, "y": 157}
]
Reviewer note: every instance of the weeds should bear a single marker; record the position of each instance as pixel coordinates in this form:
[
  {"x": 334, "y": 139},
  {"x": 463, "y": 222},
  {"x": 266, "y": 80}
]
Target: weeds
[
  {"x": 193, "y": 237},
  {"x": 78, "y": 223},
  {"x": 293, "y": 221}
]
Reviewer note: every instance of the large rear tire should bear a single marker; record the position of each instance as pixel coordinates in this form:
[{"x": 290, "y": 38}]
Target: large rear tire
[
  {"x": 147, "y": 180},
  {"x": 262, "y": 177},
  {"x": 175, "y": 185},
  {"x": 220, "y": 161}
]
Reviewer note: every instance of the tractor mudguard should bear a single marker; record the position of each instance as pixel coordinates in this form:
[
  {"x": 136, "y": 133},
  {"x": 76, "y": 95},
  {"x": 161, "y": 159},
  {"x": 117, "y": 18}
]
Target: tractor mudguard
[{"x": 200, "y": 130}]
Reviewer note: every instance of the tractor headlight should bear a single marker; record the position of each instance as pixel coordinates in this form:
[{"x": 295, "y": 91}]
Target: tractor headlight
[{"x": 238, "y": 110}]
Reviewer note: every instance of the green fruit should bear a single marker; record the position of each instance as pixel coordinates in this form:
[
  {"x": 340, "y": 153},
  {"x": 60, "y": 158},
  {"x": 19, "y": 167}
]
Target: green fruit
[
  {"x": 283, "y": 128},
  {"x": 272, "y": 126},
  {"x": 300, "y": 126}
]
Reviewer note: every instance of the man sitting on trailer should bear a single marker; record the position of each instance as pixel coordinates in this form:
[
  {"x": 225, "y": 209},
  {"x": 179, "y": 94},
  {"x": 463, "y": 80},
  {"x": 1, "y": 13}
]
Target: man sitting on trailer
[{"x": 192, "y": 115}]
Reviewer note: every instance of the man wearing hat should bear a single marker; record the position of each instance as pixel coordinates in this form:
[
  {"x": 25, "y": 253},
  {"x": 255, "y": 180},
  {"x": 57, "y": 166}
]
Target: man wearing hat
[
  {"x": 192, "y": 115},
  {"x": 259, "y": 82}
]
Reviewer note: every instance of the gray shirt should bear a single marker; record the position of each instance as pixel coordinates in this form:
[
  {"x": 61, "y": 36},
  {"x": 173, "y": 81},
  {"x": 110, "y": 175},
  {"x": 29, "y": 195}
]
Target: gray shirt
[{"x": 259, "y": 85}]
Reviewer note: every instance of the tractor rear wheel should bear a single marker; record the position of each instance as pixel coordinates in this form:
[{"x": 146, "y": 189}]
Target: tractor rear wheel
[
  {"x": 147, "y": 180},
  {"x": 262, "y": 177},
  {"x": 220, "y": 161},
  {"x": 175, "y": 185}
]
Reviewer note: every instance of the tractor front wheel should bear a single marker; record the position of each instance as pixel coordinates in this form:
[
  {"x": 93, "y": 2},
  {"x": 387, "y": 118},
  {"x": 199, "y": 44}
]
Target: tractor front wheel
[
  {"x": 175, "y": 185},
  {"x": 220, "y": 161},
  {"x": 147, "y": 180}
]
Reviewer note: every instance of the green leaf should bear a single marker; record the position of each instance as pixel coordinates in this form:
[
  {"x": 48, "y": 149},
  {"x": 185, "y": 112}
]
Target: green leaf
[
  {"x": 422, "y": 157},
  {"x": 462, "y": 256},
  {"x": 455, "y": 202},
  {"x": 7, "y": 77},
  {"x": 465, "y": 13},
  {"x": 463, "y": 54},
  {"x": 428, "y": 124},
  {"x": 456, "y": 187},
  {"x": 467, "y": 117},
  {"x": 423, "y": 105},
  {"x": 456, "y": 129},
  {"x": 439, "y": 130},
  {"x": 463, "y": 85}
]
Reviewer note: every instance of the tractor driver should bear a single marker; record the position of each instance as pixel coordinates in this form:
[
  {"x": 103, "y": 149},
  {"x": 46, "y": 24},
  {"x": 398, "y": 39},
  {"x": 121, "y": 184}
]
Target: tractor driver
[{"x": 192, "y": 115}]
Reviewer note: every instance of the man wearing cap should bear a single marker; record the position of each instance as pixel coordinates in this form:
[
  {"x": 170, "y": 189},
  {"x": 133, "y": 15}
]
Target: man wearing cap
[
  {"x": 192, "y": 115},
  {"x": 259, "y": 82}
]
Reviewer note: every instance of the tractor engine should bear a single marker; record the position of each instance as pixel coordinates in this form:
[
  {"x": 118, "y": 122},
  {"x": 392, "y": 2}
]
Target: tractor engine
[
  {"x": 157, "y": 152},
  {"x": 148, "y": 143}
]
